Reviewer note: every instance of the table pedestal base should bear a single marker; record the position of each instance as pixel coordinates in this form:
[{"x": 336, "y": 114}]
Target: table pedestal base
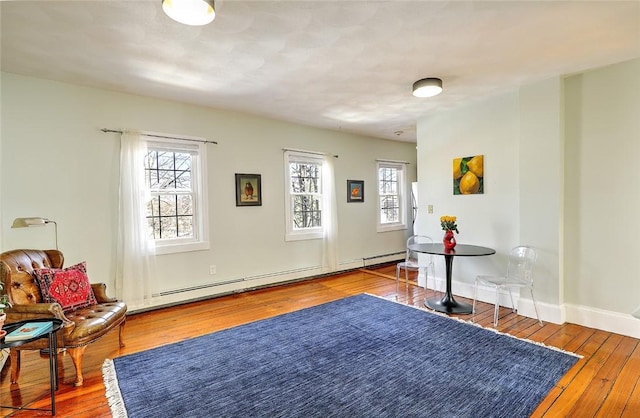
[{"x": 448, "y": 305}]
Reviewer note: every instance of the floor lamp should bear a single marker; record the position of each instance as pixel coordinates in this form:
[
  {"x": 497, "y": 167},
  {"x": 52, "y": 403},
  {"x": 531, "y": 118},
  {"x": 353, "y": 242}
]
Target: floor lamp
[{"x": 29, "y": 222}]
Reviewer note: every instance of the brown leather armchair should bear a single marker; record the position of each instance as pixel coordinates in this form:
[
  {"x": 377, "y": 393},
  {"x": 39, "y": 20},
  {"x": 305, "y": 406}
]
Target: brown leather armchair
[{"x": 80, "y": 327}]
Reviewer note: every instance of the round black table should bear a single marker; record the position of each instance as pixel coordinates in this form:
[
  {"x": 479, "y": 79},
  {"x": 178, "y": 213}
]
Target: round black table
[
  {"x": 53, "y": 358},
  {"x": 448, "y": 304}
]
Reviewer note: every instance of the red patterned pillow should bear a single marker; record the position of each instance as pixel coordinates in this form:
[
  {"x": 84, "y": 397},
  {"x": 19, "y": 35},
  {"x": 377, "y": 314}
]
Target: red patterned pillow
[{"x": 69, "y": 287}]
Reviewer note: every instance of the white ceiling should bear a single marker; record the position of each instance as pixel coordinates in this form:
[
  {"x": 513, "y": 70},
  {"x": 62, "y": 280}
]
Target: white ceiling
[{"x": 343, "y": 65}]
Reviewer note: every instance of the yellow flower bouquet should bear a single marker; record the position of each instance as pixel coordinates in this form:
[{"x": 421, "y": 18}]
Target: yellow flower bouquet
[{"x": 448, "y": 223}]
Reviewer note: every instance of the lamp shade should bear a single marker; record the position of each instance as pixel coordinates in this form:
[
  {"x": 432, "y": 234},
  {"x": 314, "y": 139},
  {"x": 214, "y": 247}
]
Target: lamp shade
[
  {"x": 190, "y": 12},
  {"x": 28, "y": 222},
  {"x": 427, "y": 87}
]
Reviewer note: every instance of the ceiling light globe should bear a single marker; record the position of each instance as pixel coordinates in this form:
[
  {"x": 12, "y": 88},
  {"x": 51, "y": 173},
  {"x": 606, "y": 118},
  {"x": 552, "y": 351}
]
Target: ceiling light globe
[
  {"x": 190, "y": 12},
  {"x": 427, "y": 87}
]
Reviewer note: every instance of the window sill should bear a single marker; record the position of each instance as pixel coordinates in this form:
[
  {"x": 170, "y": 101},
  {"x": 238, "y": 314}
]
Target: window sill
[
  {"x": 181, "y": 248},
  {"x": 303, "y": 236},
  {"x": 389, "y": 228}
]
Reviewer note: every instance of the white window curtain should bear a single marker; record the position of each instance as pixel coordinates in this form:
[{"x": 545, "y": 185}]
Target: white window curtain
[
  {"x": 136, "y": 250},
  {"x": 329, "y": 217}
]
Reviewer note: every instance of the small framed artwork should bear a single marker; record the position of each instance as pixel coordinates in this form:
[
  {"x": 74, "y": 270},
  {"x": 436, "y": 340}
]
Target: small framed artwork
[
  {"x": 468, "y": 175},
  {"x": 355, "y": 191},
  {"x": 248, "y": 190}
]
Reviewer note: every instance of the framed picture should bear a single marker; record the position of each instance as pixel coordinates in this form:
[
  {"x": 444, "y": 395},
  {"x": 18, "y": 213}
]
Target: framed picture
[
  {"x": 248, "y": 190},
  {"x": 468, "y": 175},
  {"x": 355, "y": 191}
]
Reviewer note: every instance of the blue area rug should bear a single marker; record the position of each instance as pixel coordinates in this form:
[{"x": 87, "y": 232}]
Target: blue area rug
[{"x": 362, "y": 356}]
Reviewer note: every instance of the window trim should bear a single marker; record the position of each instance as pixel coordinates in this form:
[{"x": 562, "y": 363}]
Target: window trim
[
  {"x": 292, "y": 234},
  {"x": 402, "y": 197},
  {"x": 200, "y": 197}
]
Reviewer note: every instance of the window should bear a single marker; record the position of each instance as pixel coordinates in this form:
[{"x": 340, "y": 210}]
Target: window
[
  {"x": 391, "y": 192},
  {"x": 304, "y": 197},
  {"x": 177, "y": 206}
]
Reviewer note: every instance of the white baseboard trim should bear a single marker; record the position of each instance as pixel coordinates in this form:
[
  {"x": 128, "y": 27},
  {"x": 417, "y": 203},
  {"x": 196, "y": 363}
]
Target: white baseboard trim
[{"x": 616, "y": 322}]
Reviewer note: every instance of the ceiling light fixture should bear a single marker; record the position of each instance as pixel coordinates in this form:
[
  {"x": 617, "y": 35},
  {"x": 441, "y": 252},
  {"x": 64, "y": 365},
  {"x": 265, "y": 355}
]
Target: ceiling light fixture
[
  {"x": 190, "y": 12},
  {"x": 427, "y": 87}
]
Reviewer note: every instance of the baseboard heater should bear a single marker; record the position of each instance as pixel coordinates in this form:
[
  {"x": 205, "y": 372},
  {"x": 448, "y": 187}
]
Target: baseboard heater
[
  {"x": 267, "y": 275},
  {"x": 373, "y": 257},
  {"x": 232, "y": 281}
]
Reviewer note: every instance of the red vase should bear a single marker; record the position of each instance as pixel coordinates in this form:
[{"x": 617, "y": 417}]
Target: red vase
[{"x": 449, "y": 240}]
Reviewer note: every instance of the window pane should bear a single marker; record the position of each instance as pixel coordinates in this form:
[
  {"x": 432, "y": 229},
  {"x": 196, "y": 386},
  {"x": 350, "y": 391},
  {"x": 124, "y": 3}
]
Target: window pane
[
  {"x": 183, "y": 180},
  {"x": 168, "y": 170},
  {"x": 153, "y": 227},
  {"x": 168, "y": 227},
  {"x": 185, "y": 226},
  {"x": 165, "y": 160},
  {"x": 306, "y": 212},
  {"x": 151, "y": 178},
  {"x": 166, "y": 179},
  {"x": 388, "y": 180},
  {"x": 389, "y": 209},
  {"x": 173, "y": 211},
  {"x": 304, "y": 197},
  {"x": 170, "y": 216},
  {"x": 182, "y": 161},
  {"x": 305, "y": 178},
  {"x": 151, "y": 160},
  {"x": 168, "y": 205},
  {"x": 185, "y": 205},
  {"x": 153, "y": 207},
  {"x": 390, "y": 187}
]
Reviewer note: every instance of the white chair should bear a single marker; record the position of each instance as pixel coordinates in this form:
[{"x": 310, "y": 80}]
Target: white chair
[
  {"x": 414, "y": 261},
  {"x": 519, "y": 275}
]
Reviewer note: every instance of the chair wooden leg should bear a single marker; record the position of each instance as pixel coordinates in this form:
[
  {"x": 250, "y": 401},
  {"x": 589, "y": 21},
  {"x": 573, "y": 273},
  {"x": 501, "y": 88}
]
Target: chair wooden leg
[
  {"x": 14, "y": 356},
  {"x": 76, "y": 354},
  {"x": 121, "y": 334}
]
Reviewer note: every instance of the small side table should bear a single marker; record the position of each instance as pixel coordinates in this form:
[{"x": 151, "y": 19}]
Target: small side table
[
  {"x": 53, "y": 357},
  {"x": 448, "y": 304}
]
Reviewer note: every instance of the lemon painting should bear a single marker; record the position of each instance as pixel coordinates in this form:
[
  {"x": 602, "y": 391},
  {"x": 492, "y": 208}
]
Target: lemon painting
[{"x": 468, "y": 175}]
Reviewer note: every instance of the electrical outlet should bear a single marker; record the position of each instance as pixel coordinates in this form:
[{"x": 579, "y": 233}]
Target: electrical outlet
[
  {"x": 212, "y": 269},
  {"x": 430, "y": 208}
]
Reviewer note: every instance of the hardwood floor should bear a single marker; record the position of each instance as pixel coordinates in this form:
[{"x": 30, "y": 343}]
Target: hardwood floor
[{"x": 605, "y": 383}]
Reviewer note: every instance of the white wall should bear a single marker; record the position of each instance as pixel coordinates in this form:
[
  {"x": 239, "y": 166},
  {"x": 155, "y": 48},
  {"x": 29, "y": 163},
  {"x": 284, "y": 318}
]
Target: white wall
[
  {"x": 560, "y": 174},
  {"x": 57, "y": 164},
  {"x": 541, "y": 186},
  {"x": 603, "y": 194},
  {"x": 490, "y": 219}
]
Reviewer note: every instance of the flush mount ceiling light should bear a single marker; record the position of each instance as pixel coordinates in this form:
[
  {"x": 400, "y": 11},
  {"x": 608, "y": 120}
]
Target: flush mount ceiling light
[
  {"x": 427, "y": 87},
  {"x": 190, "y": 12}
]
